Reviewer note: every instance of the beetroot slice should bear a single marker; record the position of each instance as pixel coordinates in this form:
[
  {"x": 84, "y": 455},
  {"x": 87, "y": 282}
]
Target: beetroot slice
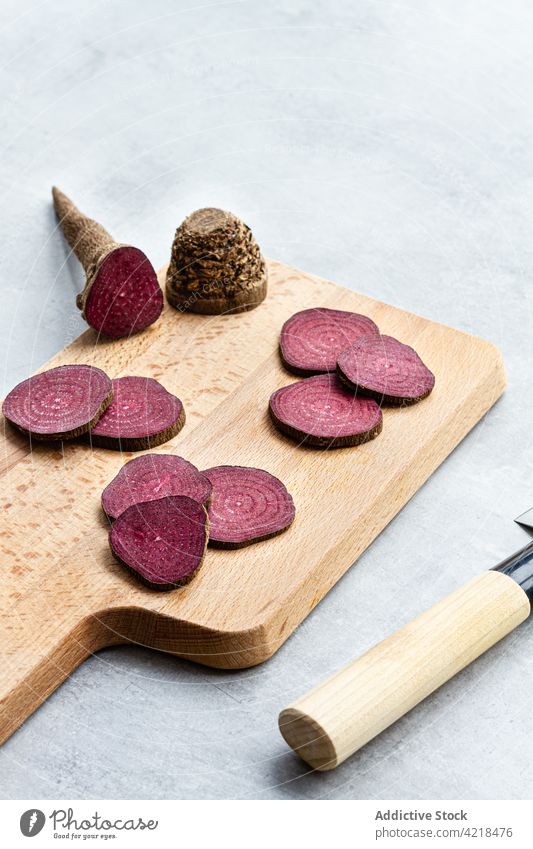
[
  {"x": 163, "y": 542},
  {"x": 124, "y": 297},
  {"x": 311, "y": 340},
  {"x": 385, "y": 369},
  {"x": 154, "y": 476},
  {"x": 248, "y": 505},
  {"x": 320, "y": 412},
  {"x": 60, "y": 403},
  {"x": 142, "y": 415}
]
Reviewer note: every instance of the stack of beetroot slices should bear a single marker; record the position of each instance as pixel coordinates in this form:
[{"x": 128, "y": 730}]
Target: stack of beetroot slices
[
  {"x": 351, "y": 371},
  {"x": 63, "y": 403},
  {"x": 165, "y": 512}
]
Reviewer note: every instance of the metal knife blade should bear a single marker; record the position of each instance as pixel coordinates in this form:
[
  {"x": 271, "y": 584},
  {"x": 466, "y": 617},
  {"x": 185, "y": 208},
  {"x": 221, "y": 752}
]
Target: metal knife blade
[{"x": 526, "y": 519}]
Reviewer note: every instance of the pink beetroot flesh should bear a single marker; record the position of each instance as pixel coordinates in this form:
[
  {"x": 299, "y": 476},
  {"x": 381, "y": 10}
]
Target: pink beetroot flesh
[
  {"x": 125, "y": 296},
  {"x": 311, "y": 340},
  {"x": 142, "y": 414},
  {"x": 247, "y": 505},
  {"x": 162, "y": 541},
  {"x": 319, "y": 411},
  {"x": 385, "y": 369},
  {"x": 60, "y": 403},
  {"x": 151, "y": 477}
]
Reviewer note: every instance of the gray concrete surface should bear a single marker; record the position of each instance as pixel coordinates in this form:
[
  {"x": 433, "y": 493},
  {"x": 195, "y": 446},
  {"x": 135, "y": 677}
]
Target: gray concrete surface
[{"x": 386, "y": 145}]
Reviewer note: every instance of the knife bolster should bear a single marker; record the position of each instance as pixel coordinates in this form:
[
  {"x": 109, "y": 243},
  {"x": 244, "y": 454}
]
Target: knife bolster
[{"x": 519, "y": 567}]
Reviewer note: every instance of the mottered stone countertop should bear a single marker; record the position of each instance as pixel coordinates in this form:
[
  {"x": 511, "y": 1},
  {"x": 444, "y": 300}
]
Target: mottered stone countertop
[{"x": 386, "y": 146}]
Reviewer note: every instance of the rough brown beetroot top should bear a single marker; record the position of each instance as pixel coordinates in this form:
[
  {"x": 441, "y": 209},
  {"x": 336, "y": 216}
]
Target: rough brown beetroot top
[
  {"x": 320, "y": 406},
  {"x": 154, "y": 476},
  {"x": 163, "y": 541},
  {"x": 311, "y": 340},
  {"x": 58, "y": 402},
  {"x": 141, "y": 407},
  {"x": 386, "y": 368},
  {"x": 125, "y": 296},
  {"x": 247, "y": 504}
]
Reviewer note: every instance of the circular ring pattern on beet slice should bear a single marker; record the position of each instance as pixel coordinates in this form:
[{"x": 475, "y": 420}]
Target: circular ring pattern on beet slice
[
  {"x": 386, "y": 369},
  {"x": 311, "y": 339},
  {"x": 320, "y": 412},
  {"x": 247, "y": 505},
  {"x": 143, "y": 414},
  {"x": 163, "y": 542},
  {"x": 151, "y": 477},
  {"x": 61, "y": 403},
  {"x": 125, "y": 296}
]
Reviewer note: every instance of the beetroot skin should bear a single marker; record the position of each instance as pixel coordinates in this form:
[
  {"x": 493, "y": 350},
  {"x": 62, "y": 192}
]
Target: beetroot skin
[
  {"x": 321, "y": 413},
  {"x": 142, "y": 415},
  {"x": 124, "y": 297},
  {"x": 385, "y": 369},
  {"x": 162, "y": 542},
  {"x": 311, "y": 340},
  {"x": 60, "y": 403},
  {"x": 151, "y": 477},
  {"x": 248, "y": 505}
]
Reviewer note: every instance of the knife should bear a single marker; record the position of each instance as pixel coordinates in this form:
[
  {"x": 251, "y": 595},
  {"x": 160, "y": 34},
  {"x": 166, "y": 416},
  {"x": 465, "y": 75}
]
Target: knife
[{"x": 335, "y": 719}]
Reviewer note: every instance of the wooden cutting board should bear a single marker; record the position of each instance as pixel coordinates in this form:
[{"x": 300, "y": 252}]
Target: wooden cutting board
[{"x": 64, "y": 596}]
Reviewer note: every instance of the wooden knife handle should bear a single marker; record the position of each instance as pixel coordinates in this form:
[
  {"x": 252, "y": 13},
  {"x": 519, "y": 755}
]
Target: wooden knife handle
[{"x": 334, "y": 720}]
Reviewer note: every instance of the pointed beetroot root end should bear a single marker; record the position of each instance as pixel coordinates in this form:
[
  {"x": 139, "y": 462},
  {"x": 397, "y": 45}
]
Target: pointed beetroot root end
[
  {"x": 151, "y": 477},
  {"x": 59, "y": 404},
  {"x": 123, "y": 297},
  {"x": 383, "y": 368},
  {"x": 88, "y": 239},
  {"x": 162, "y": 542},
  {"x": 319, "y": 412},
  {"x": 143, "y": 414},
  {"x": 247, "y": 505}
]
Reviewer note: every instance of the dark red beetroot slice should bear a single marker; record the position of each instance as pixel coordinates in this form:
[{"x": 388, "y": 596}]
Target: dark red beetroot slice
[
  {"x": 124, "y": 297},
  {"x": 320, "y": 412},
  {"x": 163, "y": 542},
  {"x": 60, "y": 403},
  {"x": 154, "y": 476},
  {"x": 142, "y": 415},
  {"x": 311, "y": 340},
  {"x": 247, "y": 505},
  {"x": 385, "y": 369}
]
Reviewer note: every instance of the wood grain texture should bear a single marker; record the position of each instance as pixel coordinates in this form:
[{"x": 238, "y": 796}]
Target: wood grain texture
[
  {"x": 338, "y": 717},
  {"x": 63, "y": 594}
]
